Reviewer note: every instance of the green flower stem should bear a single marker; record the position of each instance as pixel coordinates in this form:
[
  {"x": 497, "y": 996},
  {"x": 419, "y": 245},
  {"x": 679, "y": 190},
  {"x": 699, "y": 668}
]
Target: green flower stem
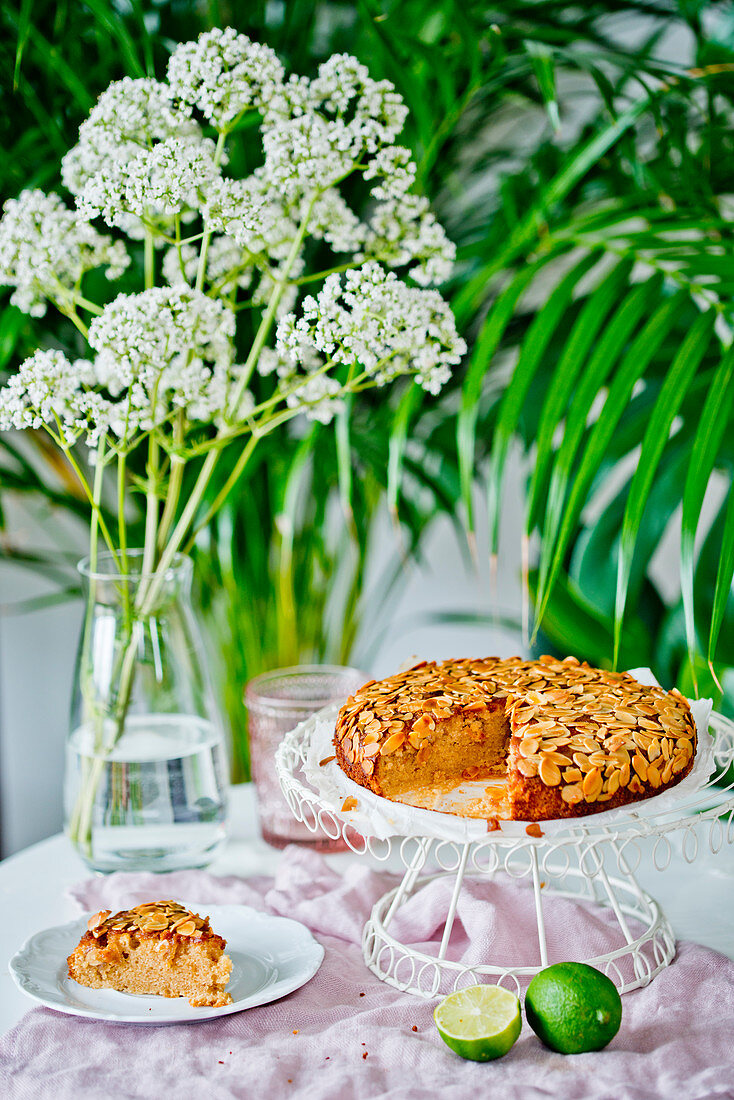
[
  {"x": 224, "y": 492},
  {"x": 201, "y": 269},
  {"x": 151, "y": 506},
  {"x": 319, "y": 275},
  {"x": 91, "y": 307},
  {"x": 96, "y": 509},
  {"x": 149, "y": 259},
  {"x": 175, "y": 480},
  {"x": 269, "y": 315},
  {"x": 77, "y": 828}
]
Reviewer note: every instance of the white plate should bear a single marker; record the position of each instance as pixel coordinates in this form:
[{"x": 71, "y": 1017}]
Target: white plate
[{"x": 271, "y": 956}]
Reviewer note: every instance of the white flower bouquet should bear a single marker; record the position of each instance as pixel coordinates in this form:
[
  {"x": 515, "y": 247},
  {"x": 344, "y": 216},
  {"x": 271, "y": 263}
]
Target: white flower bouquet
[{"x": 167, "y": 369}]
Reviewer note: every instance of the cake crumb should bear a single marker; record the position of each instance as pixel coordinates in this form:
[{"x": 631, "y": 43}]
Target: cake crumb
[
  {"x": 414, "y": 1028},
  {"x": 296, "y": 1032},
  {"x": 365, "y": 1054},
  {"x": 363, "y": 994},
  {"x": 534, "y": 829},
  {"x": 221, "y": 1063},
  {"x": 349, "y": 804}
]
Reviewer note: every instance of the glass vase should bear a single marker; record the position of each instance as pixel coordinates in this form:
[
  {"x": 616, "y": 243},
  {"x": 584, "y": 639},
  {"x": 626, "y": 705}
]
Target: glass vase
[{"x": 146, "y": 769}]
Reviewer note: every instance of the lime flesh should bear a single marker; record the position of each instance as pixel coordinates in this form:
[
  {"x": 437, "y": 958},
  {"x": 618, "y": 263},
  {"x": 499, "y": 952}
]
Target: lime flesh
[
  {"x": 479, "y": 1023},
  {"x": 573, "y": 1008}
]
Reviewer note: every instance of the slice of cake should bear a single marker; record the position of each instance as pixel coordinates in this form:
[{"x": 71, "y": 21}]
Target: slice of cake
[
  {"x": 159, "y": 947},
  {"x": 548, "y": 738}
]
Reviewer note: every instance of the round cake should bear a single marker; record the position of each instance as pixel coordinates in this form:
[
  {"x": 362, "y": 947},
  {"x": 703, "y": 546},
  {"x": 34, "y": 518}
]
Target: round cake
[{"x": 549, "y": 738}]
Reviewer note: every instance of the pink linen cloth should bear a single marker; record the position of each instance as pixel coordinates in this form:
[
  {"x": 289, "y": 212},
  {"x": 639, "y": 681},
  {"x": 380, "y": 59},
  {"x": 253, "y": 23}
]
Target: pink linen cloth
[{"x": 346, "y": 1035}]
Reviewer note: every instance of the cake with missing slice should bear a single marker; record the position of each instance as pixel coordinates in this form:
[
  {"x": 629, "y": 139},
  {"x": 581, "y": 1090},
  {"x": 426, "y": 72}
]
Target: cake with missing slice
[
  {"x": 551, "y": 738},
  {"x": 159, "y": 947}
]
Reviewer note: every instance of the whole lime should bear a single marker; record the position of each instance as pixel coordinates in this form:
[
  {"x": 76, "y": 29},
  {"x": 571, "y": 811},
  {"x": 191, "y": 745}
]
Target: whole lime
[
  {"x": 573, "y": 1008},
  {"x": 479, "y": 1023}
]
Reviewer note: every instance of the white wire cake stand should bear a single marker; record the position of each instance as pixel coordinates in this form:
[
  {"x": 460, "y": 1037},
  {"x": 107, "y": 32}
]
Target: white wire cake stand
[{"x": 582, "y": 860}]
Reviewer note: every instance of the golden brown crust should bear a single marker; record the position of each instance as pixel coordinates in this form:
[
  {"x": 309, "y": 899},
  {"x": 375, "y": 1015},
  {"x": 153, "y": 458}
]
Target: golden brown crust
[
  {"x": 157, "y": 919},
  {"x": 581, "y": 740}
]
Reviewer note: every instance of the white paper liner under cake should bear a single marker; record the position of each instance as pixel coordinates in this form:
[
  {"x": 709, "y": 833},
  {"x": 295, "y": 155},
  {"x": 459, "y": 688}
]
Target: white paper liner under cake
[{"x": 378, "y": 817}]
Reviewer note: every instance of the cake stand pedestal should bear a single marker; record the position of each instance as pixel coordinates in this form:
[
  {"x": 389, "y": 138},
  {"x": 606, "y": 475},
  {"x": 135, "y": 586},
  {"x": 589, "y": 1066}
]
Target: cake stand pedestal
[{"x": 582, "y": 860}]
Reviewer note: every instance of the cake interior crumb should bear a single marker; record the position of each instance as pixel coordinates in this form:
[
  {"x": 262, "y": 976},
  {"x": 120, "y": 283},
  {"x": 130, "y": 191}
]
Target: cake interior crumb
[{"x": 461, "y": 770}]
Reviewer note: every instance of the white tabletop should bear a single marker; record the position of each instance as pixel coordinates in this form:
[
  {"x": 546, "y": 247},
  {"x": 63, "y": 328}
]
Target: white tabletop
[{"x": 698, "y": 899}]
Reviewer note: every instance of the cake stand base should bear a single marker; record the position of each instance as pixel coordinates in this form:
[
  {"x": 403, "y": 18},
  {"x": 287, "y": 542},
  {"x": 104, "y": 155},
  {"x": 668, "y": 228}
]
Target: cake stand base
[{"x": 643, "y": 954}]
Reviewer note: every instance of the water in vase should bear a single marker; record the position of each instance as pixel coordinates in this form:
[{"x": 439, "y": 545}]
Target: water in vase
[{"x": 160, "y": 801}]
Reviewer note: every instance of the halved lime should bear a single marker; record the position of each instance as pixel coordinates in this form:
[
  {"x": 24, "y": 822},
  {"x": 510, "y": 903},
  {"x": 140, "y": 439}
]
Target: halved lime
[{"x": 479, "y": 1023}]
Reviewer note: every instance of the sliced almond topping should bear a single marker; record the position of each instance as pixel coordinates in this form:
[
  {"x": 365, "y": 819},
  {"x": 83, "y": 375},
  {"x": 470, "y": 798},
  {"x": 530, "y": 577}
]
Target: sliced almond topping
[
  {"x": 97, "y": 919},
  {"x": 393, "y": 743},
  {"x": 549, "y": 772},
  {"x": 557, "y": 757},
  {"x": 592, "y": 784},
  {"x": 572, "y": 794},
  {"x": 528, "y": 746}
]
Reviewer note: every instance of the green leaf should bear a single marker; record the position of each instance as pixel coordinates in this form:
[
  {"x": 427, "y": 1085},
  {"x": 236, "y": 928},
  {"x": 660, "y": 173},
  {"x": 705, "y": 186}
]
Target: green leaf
[
  {"x": 574, "y": 169},
  {"x": 642, "y": 349},
  {"x": 489, "y": 340},
  {"x": 616, "y": 333},
  {"x": 676, "y": 383},
  {"x": 713, "y": 423},
  {"x": 532, "y": 352},
  {"x": 111, "y": 22},
  {"x": 542, "y": 60},
  {"x": 724, "y": 578},
  {"x": 564, "y": 378},
  {"x": 24, "y": 26},
  {"x": 409, "y": 402},
  {"x": 344, "y": 457},
  {"x": 569, "y": 617}
]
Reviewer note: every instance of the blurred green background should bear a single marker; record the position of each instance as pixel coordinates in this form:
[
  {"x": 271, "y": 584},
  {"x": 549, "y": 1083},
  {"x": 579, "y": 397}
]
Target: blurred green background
[{"x": 581, "y": 157}]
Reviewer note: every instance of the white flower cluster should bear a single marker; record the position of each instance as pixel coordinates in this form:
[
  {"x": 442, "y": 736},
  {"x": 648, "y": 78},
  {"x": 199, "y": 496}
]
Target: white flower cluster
[
  {"x": 49, "y": 390},
  {"x": 169, "y": 347},
  {"x": 164, "y": 349},
  {"x": 223, "y": 74},
  {"x": 317, "y": 132},
  {"x": 137, "y": 156},
  {"x": 404, "y": 233},
  {"x": 372, "y": 321},
  {"x": 143, "y": 164},
  {"x": 45, "y": 249},
  {"x": 253, "y": 213},
  {"x": 171, "y": 178}
]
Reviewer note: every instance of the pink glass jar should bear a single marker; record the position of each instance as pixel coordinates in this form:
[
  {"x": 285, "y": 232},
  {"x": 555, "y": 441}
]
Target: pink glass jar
[{"x": 276, "y": 702}]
